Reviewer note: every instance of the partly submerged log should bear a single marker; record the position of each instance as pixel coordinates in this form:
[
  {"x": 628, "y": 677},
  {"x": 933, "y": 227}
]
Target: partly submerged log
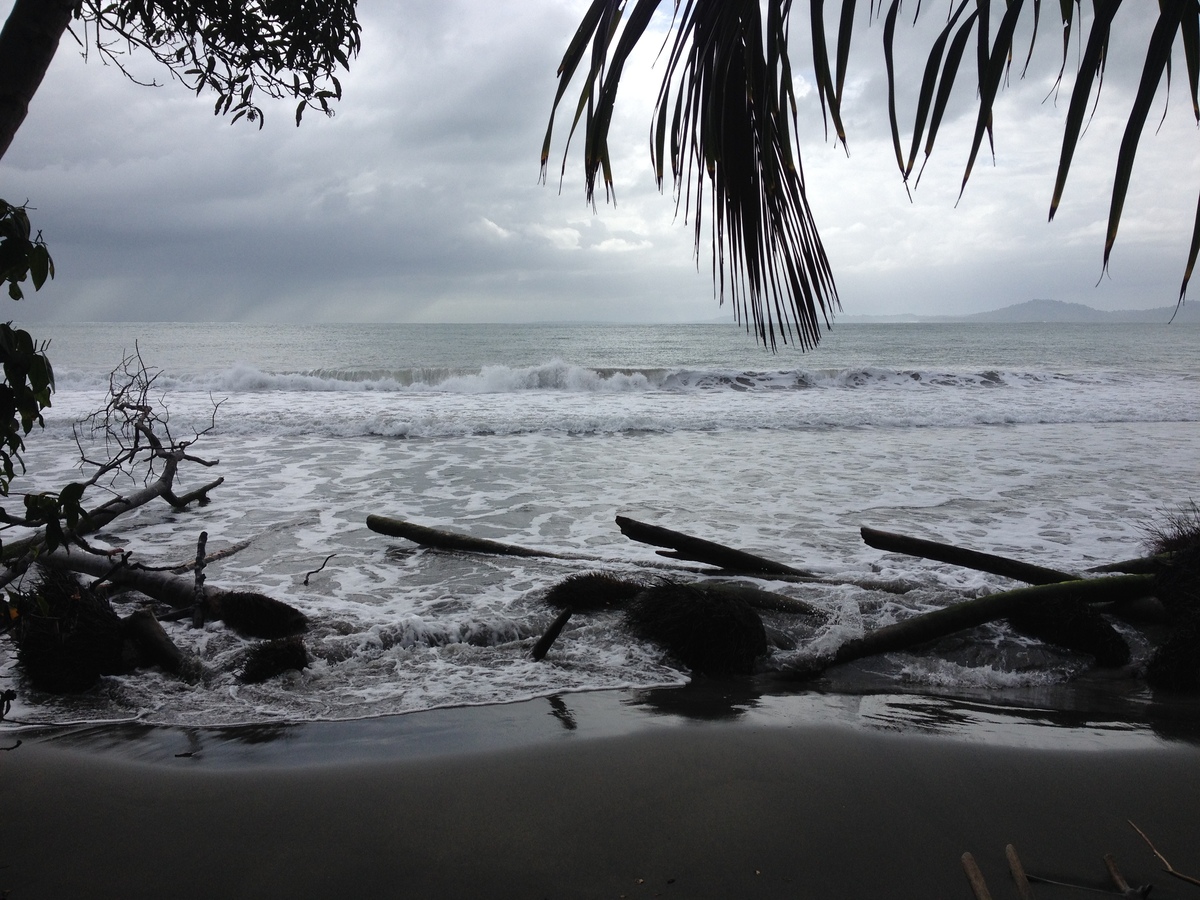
[
  {"x": 684, "y": 546},
  {"x": 271, "y": 658},
  {"x": 710, "y": 632},
  {"x": 1075, "y": 625},
  {"x": 546, "y": 641},
  {"x": 248, "y": 613},
  {"x": 922, "y": 629},
  {"x": 959, "y": 556},
  {"x": 447, "y": 540},
  {"x": 711, "y": 628},
  {"x": 157, "y": 649},
  {"x": 68, "y": 636},
  {"x": 251, "y": 614}
]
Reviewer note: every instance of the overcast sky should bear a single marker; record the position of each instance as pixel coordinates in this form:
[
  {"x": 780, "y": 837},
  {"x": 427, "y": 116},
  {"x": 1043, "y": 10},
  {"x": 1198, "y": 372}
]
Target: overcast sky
[{"x": 419, "y": 201}]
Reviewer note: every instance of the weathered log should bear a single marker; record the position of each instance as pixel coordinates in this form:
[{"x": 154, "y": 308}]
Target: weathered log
[
  {"x": 162, "y": 586},
  {"x": 155, "y": 647},
  {"x": 97, "y": 518},
  {"x": 926, "y": 627},
  {"x": 250, "y": 614},
  {"x": 447, "y": 540},
  {"x": 1142, "y": 565},
  {"x": 959, "y": 556},
  {"x": 684, "y": 546}
]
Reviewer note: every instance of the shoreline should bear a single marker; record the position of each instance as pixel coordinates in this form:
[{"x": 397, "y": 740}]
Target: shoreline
[{"x": 596, "y": 797}]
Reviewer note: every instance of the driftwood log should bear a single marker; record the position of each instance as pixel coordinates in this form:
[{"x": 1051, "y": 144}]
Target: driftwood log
[
  {"x": 439, "y": 539},
  {"x": 926, "y": 627},
  {"x": 250, "y": 614},
  {"x": 684, "y": 546},
  {"x": 959, "y": 556},
  {"x": 102, "y": 515}
]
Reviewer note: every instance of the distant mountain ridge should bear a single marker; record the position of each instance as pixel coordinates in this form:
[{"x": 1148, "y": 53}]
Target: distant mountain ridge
[{"x": 1051, "y": 311}]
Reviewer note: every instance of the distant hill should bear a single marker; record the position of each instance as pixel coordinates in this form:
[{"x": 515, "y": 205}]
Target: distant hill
[{"x": 1056, "y": 311}]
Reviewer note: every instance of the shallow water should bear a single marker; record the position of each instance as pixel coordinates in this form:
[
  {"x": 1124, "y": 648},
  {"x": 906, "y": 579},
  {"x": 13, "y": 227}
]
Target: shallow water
[{"x": 1052, "y": 444}]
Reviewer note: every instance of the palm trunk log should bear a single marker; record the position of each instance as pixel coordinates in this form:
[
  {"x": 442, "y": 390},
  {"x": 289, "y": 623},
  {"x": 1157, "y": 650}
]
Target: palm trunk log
[
  {"x": 448, "y": 540},
  {"x": 958, "y": 556},
  {"x": 922, "y": 629},
  {"x": 684, "y": 546}
]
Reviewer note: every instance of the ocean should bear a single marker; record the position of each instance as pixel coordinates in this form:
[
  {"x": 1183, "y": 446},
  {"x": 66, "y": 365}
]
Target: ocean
[{"x": 1054, "y": 444}]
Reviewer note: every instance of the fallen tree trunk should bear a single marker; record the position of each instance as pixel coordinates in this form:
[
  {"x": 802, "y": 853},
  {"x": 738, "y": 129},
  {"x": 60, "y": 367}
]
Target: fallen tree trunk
[
  {"x": 155, "y": 646},
  {"x": 922, "y": 629},
  {"x": 97, "y": 518},
  {"x": 250, "y": 614},
  {"x": 959, "y": 556},
  {"x": 162, "y": 586},
  {"x": 684, "y": 546},
  {"x": 448, "y": 540}
]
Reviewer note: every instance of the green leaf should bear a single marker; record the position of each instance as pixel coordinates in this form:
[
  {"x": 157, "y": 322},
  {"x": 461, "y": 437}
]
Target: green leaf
[
  {"x": 1157, "y": 54},
  {"x": 1089, "y": 67},
  {"x": 989, "y": 82},
  {"x": 39, "y": 266}
]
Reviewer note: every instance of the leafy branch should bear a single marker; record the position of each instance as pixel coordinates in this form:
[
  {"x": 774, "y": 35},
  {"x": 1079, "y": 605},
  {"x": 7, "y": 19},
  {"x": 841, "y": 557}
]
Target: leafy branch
[{"x": 238, "y": 49}]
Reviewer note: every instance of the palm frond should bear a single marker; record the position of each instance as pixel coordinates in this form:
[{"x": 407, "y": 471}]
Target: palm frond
[{"x": 726, "y": 121}]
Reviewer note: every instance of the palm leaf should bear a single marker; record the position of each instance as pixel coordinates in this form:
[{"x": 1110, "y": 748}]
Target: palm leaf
[
  {"x": 949, "y": 71},
  {"x": 1089, "y": 69},
  {"x": 990, "y": 74},
  {"x": 725, "y": 119},
  {"x": 1157, "y": 54}
]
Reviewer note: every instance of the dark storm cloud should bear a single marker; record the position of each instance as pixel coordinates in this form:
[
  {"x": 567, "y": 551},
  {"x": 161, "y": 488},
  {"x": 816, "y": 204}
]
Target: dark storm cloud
[{"x": 420, "y": 199}]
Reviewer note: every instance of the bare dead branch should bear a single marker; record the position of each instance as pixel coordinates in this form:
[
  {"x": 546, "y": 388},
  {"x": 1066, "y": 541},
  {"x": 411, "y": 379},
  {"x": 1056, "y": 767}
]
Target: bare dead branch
[{"x": 1166, "y": 864}]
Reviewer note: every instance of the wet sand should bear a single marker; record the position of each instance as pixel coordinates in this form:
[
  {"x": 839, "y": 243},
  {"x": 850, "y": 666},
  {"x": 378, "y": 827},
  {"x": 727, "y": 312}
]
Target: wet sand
[{"x": 540, "y": 803}]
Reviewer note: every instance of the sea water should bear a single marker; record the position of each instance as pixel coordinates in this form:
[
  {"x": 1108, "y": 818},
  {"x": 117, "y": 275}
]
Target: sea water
[{"x": 1055, "y": 444}]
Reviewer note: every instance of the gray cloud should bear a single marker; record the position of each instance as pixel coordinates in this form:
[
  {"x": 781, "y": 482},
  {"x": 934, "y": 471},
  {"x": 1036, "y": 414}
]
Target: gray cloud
[{"x": 420, "y": 200}]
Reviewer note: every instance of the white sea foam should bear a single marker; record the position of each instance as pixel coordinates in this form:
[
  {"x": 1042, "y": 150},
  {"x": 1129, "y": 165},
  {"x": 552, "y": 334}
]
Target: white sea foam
[{"x": 1059, "y": 468}]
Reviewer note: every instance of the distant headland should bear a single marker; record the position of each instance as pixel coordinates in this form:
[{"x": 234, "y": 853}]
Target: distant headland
[{"x": 1056, "y": 311}]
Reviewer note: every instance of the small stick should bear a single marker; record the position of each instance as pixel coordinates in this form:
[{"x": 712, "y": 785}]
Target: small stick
[
  {"x": 978, "y": 885},
  {"x": 1079, "y": 887},
  {"x": 315, "y": 571},
  {"x": 542, "y": 647},
  {"x": 1118, "y": 879},
  {"x": 1167, "y": 867},
  {"x": 198, "y": 588},
  {"x": 1018, "y": 873}
]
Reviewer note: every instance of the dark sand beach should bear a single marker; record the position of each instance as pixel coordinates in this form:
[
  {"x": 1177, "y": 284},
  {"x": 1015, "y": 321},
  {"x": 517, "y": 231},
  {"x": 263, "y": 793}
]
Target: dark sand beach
[{"x": 600, "y": 795}]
